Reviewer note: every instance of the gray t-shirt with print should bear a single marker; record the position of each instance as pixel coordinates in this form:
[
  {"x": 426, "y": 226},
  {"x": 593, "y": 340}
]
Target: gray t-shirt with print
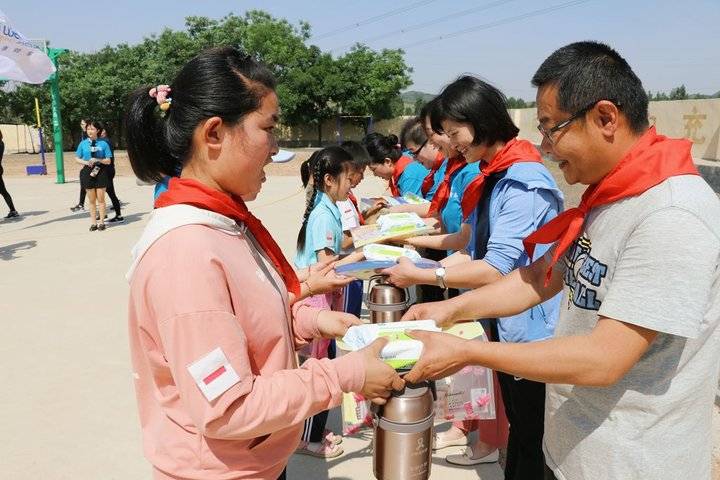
[{"x": 652, "y": 261}]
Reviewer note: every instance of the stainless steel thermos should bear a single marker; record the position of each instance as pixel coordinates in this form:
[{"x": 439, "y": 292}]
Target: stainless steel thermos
[
  {"x": 403, "y": 434},
  {"x": 386, "y": 302}
]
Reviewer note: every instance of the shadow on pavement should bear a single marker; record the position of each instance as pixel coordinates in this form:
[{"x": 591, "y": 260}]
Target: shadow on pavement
[{"x": 8, "y": 251}]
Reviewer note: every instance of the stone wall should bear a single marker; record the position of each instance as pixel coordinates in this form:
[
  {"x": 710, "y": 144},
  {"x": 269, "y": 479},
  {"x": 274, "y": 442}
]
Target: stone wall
[
  {"x": 20, "y": 138},
  {"x": 698, "y": 120}
]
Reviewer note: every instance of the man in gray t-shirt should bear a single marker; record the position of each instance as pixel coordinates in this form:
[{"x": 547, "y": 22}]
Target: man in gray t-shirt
[{"x": 632, "y": 370}]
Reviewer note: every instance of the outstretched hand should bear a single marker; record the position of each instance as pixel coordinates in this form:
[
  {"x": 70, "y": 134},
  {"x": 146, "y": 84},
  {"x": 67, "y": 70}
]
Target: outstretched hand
[
  {"x": 442, "y": 312},
  {"x": 323, "y": 279},
  {"x": 404, "y": 274},
  {"x": 380, "y": 378},
  {"x": 442, "y": 355},
  {"x": 335, "y": 324}
]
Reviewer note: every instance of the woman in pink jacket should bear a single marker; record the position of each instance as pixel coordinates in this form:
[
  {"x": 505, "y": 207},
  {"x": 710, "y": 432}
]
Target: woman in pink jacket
[{"x": 213, "y": 318}]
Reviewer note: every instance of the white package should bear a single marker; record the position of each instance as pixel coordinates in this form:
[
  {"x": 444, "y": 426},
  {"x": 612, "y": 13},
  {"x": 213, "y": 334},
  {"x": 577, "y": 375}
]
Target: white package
[
  {"x": 376, "y": 251},
  {"x": 393, "y": 221}
]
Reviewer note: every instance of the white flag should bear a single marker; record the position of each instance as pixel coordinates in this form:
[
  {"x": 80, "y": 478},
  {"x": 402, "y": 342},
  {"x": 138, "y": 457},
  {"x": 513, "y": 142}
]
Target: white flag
[{"x": 19, "y": 59}]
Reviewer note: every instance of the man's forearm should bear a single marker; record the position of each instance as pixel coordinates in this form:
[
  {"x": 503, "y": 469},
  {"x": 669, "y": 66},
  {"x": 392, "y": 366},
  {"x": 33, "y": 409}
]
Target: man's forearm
[
  {"x": 571, "y": 360},
  {"x": 600, "y": 358},
  {"x": 509, "y": 295}
]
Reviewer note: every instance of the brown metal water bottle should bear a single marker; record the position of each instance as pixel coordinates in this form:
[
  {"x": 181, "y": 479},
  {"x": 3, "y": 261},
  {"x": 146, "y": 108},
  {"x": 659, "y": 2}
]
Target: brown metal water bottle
[
  {"x": 403, "y": 434},
  {"x": 386, "y": 302}
]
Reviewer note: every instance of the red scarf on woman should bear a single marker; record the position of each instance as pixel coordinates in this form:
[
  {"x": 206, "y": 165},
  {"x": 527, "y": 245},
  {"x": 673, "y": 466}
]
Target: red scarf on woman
[
  {"x": 442, "y": 194},
  {"x": 191, "y": 192},
  {"x": 430, "y": 177},
  {"x": 400, "y": 167},
  {"x": 514, "y": 151},
  {"x": 653, "y": 159}
]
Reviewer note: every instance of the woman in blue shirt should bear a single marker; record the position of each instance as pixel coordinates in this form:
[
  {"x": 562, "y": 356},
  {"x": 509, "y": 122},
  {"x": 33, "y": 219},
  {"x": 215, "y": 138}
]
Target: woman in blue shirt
[
  {"x": 404, "y": 174},
  {"x": 516, "y": 196},
  {"x": 94, "y": 155}
]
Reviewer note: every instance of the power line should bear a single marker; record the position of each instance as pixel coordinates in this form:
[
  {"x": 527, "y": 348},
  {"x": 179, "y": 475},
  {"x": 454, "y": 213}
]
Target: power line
[
  {"x": 430, "y": 23},
  {"x": 374, "y": 19},
  {"x": 503, "y": 21}
]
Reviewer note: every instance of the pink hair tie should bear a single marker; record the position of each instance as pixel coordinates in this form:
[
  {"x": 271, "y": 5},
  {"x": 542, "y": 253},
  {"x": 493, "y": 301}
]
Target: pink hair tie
[{"x": 160, "y": 94}]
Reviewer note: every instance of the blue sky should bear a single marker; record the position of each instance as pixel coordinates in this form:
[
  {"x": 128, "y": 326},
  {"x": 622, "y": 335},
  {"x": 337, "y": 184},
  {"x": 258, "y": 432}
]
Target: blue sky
[{"x": 668, "y": 43}]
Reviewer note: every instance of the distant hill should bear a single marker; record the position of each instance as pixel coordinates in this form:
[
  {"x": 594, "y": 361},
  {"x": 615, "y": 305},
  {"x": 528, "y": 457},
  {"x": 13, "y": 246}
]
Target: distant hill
[{"x": 410, "y": 96}]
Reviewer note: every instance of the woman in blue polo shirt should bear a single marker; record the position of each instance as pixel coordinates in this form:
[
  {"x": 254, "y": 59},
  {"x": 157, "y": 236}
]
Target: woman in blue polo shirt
[
  {"x": 94, "y": 155},
  {"x": 512, "y": 197},
  {"x": 321, "y": 237},
  {"x": 387, "y": 161}
]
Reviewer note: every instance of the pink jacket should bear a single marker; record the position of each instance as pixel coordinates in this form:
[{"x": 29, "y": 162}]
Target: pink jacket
[{"x": 212, "y": 342}]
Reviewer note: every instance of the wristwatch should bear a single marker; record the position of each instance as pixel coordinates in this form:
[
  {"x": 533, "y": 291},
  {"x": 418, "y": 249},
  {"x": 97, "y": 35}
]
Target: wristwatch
[{"x": 440, "y": 277}]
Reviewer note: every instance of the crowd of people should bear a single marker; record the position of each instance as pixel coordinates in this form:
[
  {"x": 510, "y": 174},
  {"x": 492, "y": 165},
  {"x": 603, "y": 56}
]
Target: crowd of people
[{"x": 602, "y": 318}]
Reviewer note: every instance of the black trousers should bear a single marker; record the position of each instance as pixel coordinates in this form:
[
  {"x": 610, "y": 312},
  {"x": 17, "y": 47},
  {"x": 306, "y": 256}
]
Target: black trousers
[
  {"x": 110, "y": 190},
  {"x": 5, "y": 194},
  {"x": 314, "y": 427},
  {"x": 525, "y": 408}
]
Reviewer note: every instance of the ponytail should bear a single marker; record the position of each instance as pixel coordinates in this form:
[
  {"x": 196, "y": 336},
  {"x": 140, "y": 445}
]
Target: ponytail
[
  {"x": 146, "y": 143},
  {"x": 218, "y": 82},
  {"x": 380, "y": 147},
  {"x": 329, "y": 161}
]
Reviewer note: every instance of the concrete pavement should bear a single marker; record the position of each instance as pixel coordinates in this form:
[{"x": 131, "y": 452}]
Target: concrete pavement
[{"x": 68, "y": 409}]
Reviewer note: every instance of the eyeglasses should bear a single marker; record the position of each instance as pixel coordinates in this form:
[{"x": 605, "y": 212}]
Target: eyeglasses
[
  {"x": 415, "y": 153},
  {"x": 548, "y": 132}
]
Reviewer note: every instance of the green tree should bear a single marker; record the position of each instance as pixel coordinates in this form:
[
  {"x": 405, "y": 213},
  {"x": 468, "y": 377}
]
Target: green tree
[
  {"x": 312, "y": 85},
  {"x": 369, "y": 82},
  {"x": 678, "y": 93},
  {"x": 419, "y": 104}
]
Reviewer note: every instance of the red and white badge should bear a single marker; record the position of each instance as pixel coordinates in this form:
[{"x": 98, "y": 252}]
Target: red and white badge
[{"x": 213, "y": 374}]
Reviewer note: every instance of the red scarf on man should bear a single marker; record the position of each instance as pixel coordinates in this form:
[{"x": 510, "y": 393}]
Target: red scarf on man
[
  {"x": 400, "y": 167},
  {"x": 354, "y": 201},
  {"x": 191, "y": 192},
  {"x": 430, "y": 177},
  {"x": 514, "y": 151},
  {"x": 442, "y": 194},
  {"x": 653, "y": 159}
]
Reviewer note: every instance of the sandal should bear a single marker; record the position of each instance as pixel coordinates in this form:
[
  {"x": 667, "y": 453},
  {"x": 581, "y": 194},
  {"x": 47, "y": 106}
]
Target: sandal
[
  {"x": 101, "y": 227},
  {"x": 466, "y": 458},
  {"x": 93, "y": 227},
  {"x": 325, "y": 450},
  {"x": 330, "y": 437}
]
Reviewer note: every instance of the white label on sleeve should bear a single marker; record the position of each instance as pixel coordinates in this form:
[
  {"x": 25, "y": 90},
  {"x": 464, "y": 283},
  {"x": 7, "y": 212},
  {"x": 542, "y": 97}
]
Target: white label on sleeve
[{"x": 213, "y": 374}]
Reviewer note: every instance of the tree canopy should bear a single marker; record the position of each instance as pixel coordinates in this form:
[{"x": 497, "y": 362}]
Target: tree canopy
[{"x": 312, "y": 85}]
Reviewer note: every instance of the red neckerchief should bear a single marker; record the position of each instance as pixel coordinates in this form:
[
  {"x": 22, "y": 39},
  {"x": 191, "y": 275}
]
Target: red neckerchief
[
  {"x": 400, "y": 167},
  {"x": 514, "y": 151},
  {"x": 430, "y": 177},
  {"x": 353, "y": 200},
  {"x": 191, "y": 192},
  {"x": 653, "y": 159},
  {"x": 442, "y": 194}
]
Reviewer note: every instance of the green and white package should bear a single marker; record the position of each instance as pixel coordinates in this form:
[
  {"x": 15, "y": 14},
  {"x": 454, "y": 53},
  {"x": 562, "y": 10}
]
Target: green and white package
[
  {"x": 401, "y": 351},
  {"x": 379, "y": 252}
]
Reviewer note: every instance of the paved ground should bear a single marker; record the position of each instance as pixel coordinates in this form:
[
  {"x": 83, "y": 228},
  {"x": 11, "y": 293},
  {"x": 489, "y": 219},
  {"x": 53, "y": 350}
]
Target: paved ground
[{"x": 67, "y": 410}]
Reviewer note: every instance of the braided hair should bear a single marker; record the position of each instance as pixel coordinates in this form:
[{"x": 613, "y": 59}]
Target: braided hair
[{"x": 329, "y": 161}]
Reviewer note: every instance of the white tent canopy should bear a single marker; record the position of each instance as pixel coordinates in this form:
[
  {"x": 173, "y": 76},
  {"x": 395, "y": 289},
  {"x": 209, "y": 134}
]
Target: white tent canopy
[{"x": 19, "y": 59}]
